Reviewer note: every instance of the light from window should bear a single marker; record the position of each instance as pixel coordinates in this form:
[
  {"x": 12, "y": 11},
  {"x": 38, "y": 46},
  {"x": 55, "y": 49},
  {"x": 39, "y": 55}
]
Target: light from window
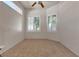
[
  {"x": 52, "y": 21},
  {"x": 13, "y": 6},
  {"x": 33, "y": 24}
]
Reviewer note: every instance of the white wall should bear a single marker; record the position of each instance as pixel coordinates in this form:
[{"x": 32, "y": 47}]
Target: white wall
[
  {"x": 68, "y": 25},
  {"x": 53, "y": 11},
  {"x": 11, "y": 27},
  {"x": 43, "y": 34}
]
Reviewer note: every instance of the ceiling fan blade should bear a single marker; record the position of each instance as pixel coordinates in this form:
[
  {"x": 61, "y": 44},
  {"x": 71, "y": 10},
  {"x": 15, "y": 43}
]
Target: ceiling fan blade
[
  {"x": 33, "y": 4},
  {"x": 42, "y": 5}
]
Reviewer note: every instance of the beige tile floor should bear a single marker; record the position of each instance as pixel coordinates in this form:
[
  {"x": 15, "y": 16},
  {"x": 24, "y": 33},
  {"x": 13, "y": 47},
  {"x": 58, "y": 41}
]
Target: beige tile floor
[{"x": 37, "y": 48}]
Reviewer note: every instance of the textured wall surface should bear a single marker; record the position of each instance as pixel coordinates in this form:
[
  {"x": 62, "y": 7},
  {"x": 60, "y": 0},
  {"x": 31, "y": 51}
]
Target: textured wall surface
[{"x": 11, "y": 27}]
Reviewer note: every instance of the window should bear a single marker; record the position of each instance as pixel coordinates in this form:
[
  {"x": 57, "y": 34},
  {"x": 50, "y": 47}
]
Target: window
[
  {"x": 13, "y": 6},
  {"x": 52, "y": 21},
  {"x": 33, "y": 24}
]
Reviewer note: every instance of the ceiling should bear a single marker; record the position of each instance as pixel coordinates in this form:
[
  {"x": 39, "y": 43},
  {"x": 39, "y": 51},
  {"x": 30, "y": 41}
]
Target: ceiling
[{"x": 47, "y": 4}]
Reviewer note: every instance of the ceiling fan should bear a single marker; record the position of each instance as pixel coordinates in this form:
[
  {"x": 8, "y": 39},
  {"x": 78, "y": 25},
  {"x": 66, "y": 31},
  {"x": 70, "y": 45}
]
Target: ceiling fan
[{"x": 38, "y": 2}]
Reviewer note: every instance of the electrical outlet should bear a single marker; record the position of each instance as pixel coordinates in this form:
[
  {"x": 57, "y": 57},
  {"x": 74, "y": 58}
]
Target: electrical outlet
[
  {"x": 0, "y": 49},
  {"x": 0, "y": 56}
]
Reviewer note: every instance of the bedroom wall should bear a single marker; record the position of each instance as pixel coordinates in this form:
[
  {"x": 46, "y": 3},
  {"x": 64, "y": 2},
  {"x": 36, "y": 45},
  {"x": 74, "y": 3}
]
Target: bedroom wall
[
  {"x": 53, "y": 11},
  {"x": 11, "y": 27},
  {"x": 68, "y": 25}
]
